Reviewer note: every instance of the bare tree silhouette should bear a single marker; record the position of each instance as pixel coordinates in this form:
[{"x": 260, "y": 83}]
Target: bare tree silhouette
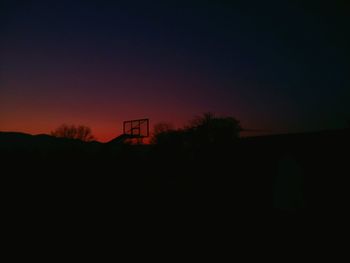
[{"x": 80, "y": 132}]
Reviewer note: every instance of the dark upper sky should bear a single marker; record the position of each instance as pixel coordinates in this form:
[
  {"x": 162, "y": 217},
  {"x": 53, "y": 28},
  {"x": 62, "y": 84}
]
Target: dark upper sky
[{"x": 281, "y": 66}]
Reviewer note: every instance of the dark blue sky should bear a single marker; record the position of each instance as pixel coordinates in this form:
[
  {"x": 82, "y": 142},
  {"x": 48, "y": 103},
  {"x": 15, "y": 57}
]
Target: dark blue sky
[{"x": 275, "y": 65}]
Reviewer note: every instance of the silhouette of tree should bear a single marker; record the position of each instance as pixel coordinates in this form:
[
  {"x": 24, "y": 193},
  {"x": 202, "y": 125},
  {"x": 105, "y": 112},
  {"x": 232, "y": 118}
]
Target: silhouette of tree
[
  {"x": 214, "y": 130},
  {"x": 202, "y": 131},
  {"x": 80, "y": 132},
  {"x": 160, "y": 131}
]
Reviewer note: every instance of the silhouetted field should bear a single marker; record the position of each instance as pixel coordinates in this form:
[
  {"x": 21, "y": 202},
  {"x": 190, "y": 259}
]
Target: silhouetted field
[{"x": 290, "y": 175}]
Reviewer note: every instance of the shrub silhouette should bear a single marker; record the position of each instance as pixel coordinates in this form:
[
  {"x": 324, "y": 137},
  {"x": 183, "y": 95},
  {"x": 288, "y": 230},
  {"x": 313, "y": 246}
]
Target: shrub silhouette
[
  {"x": 209, "y": 129},
  {"x": 203, "y": 131},
  {"x": 160, "y": 131},
  {"x": 80, "y": 132}
]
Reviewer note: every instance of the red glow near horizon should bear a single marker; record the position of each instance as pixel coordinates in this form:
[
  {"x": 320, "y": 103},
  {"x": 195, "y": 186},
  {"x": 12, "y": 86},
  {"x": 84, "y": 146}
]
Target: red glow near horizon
[
  {"x": 104, "y": 129},
  {"x": 37, "y": 109},
  {"x": 43, "y": 113},
  {"x": 38, "y": 104}
]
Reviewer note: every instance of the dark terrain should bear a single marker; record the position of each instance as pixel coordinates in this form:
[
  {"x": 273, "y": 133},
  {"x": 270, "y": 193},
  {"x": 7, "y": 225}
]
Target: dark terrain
[{"x": 279, "y": 176}]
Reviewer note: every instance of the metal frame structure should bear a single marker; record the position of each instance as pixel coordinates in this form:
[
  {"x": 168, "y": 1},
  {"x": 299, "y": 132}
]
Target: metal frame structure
[{"x": 135, "y": 128}]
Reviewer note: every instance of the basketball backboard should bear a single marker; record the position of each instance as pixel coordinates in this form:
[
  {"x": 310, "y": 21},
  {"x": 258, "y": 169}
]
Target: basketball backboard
[{"x": 136, "y": 128}]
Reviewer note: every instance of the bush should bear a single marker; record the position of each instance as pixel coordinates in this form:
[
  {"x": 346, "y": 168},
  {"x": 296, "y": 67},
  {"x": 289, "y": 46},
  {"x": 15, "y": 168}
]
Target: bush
[{"x": 203, "y": 131}]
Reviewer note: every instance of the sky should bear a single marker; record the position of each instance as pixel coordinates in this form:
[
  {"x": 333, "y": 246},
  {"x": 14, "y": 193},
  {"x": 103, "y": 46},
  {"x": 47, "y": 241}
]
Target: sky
[{"x": 277, "y": 66}]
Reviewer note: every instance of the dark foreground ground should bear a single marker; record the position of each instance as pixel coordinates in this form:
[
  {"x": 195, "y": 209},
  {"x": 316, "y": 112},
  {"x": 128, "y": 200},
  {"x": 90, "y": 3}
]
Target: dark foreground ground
[{"x": 254, "y": 181}]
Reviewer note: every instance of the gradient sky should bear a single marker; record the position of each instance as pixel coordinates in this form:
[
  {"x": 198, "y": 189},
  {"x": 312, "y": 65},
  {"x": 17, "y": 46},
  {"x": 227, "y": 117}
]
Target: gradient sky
[{"x": 281, "y": 66}]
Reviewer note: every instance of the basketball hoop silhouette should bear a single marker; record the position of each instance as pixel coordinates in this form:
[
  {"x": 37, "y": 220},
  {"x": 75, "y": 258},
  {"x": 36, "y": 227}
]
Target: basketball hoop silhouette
[
  {"x": 136, "y": 128},
  {"x": 133, "y": 129}
]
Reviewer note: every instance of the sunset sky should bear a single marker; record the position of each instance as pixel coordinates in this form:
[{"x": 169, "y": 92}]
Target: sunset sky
[{"x": 281, "y": 66}]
